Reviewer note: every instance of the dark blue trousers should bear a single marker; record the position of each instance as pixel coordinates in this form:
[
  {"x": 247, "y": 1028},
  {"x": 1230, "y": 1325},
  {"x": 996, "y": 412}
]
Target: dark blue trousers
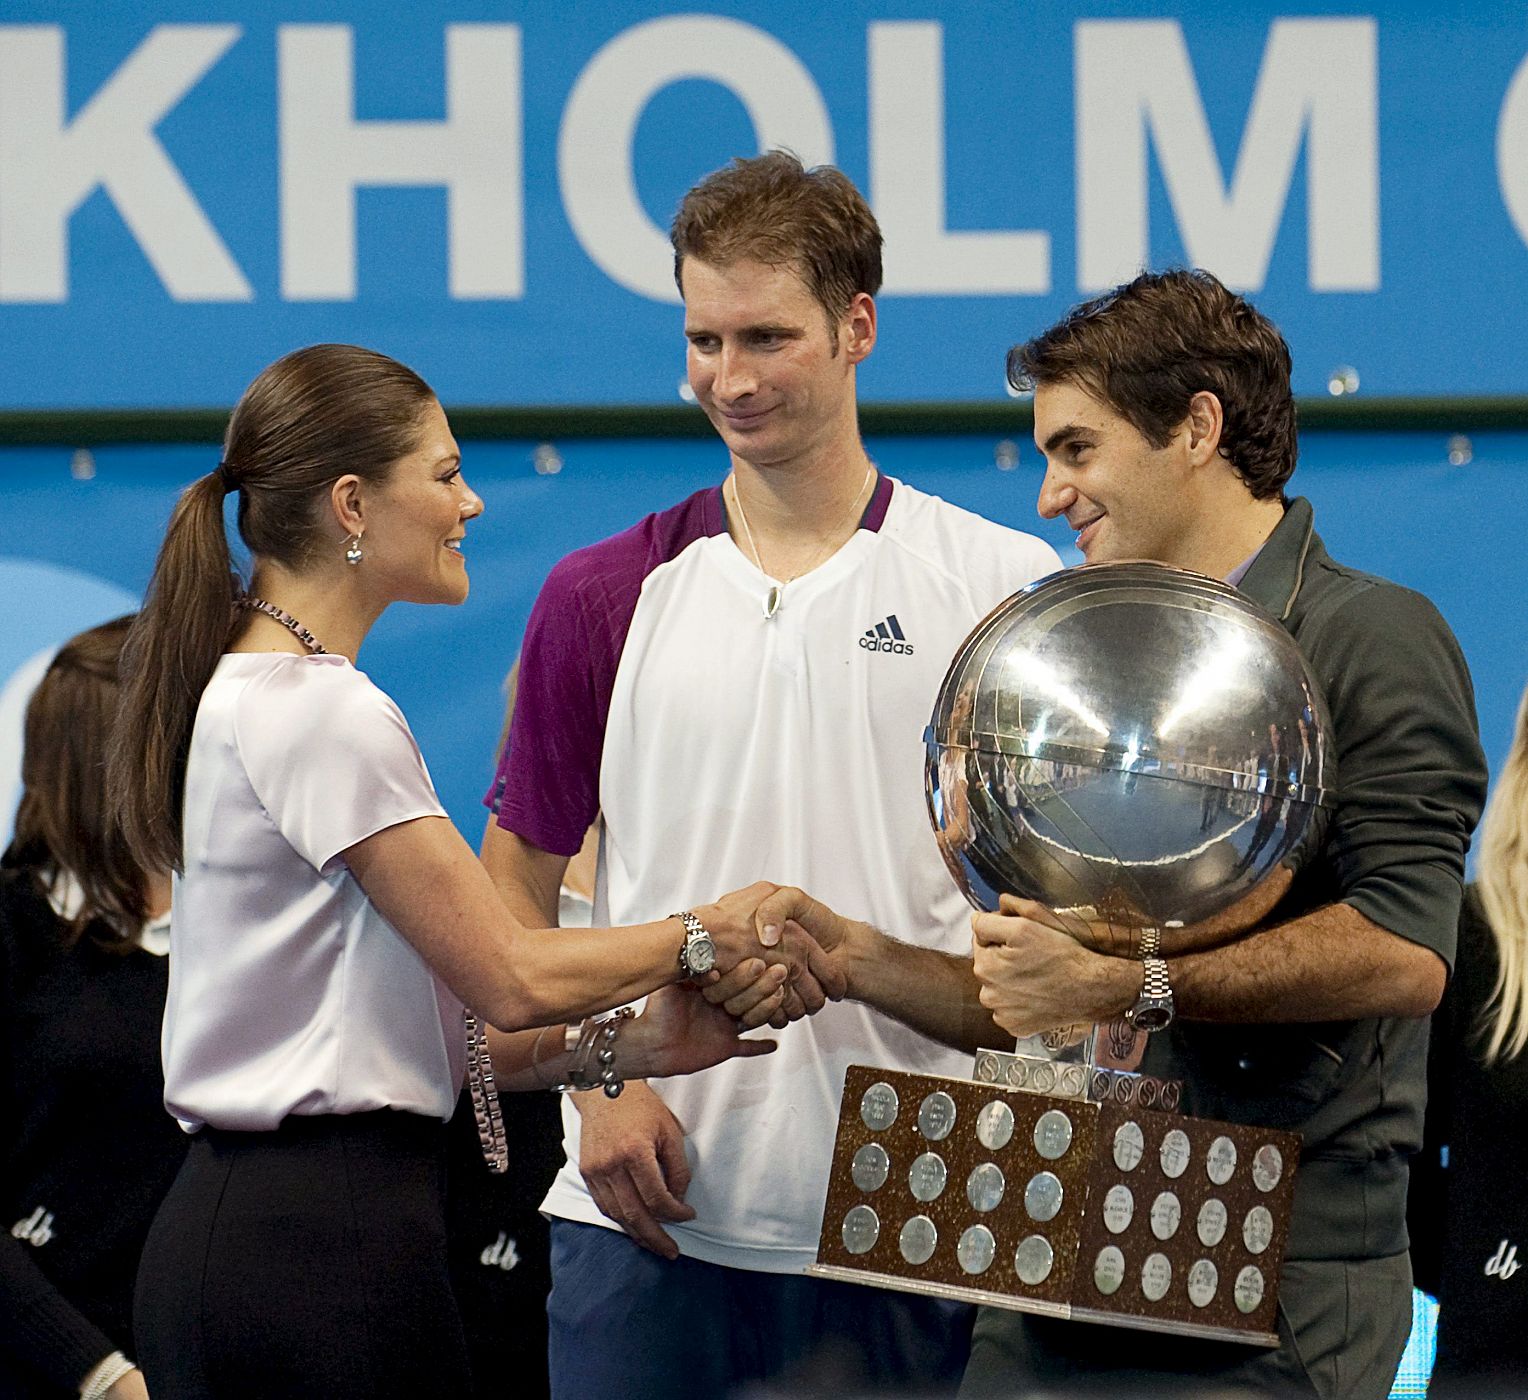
[{"x": 628, "y": 1325}]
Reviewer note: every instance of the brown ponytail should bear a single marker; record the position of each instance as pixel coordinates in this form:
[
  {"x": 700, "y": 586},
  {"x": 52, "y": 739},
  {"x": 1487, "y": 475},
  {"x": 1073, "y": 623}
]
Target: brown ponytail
[{"x": 315, "y": 415}]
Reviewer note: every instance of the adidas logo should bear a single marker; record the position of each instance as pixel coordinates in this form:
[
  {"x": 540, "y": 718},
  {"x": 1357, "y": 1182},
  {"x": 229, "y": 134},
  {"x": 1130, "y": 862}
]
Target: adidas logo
[{"x": 887, "y": 636}]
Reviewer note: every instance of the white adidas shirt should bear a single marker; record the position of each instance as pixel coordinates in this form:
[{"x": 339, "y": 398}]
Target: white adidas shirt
[{"x": 732, "y": 747}]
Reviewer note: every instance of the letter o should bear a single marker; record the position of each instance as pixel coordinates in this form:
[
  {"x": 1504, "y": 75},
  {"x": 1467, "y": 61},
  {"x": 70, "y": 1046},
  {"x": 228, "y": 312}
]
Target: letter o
[
  {"x": 1512, "y": 150},
  {"x": 594, "y": 167}
]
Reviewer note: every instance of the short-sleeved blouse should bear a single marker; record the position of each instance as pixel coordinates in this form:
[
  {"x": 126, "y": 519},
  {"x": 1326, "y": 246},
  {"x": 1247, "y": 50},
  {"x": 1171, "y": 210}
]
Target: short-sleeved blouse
[{"x": 290, "y": 993}]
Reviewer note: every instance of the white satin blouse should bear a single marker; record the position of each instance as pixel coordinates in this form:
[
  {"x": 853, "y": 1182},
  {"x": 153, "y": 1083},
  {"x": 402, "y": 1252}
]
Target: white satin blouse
[{"x": 289, "y": 992}]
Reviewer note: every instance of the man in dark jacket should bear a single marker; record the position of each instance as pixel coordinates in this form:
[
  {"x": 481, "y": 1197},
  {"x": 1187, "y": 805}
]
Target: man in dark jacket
[{"x": 1165, "y": 415}]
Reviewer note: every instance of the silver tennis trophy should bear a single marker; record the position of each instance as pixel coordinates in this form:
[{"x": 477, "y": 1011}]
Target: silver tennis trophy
[{"x": 1140, "y": 749}]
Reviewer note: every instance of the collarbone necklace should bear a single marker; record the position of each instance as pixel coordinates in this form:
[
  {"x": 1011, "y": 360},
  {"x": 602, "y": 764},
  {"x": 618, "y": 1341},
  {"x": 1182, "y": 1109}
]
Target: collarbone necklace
[{"x": 776, "y": 594}]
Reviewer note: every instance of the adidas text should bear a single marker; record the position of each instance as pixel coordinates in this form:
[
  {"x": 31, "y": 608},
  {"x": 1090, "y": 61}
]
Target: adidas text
[{"x": 886, "y": 644}]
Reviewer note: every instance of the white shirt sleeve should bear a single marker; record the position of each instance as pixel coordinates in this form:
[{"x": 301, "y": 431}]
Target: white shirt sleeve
[{"x": 330, "y": 757}]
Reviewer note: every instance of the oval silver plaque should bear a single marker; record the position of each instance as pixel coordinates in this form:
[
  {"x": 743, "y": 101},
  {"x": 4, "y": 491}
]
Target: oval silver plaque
[
  {"x": 870, "y": 1167},
  {"x": 976, "y": 1250},
  {"x": 1156, "y": 1277},
  {"x": 862, "y": 1227},
  {"x": 994, "y": 1125},
  {"x": 1175, "y": 1153},
  {"x": 1129, "y": 1146},
  {"x": 984, "y": 1187},
  {"x": 936, "y": 1116},
  {"x": 1053, "y": 1134},
  {"x": 1033, "y": 1259},
  {"x": 1249, "y": 1289},
  {"x": 1074, "y": 1079},
  {"x": 1018, "y": 1073},
  {"x": 1166, "y": 1213},
  {"x": 1042, "y": 1197},
  {"x": 1108, "y": 1270},
  {"x": 1257, "y": 1229},
  {"x": 1220, "y": 1163},
  {"x": 878, "y": 1107},
  {"x": 986, "y": 1067},
  {"x": 1119, "y": 1209},
  {"x": 926, "y": 1177},
  {"x": 918, "y": 1239},
  {"x": 1203, "y": 1280},
  {"x": 1267, "y": 1167},
  {"x": 1045, "y": 1077},
  {"x": 1212, "y": 1223}
]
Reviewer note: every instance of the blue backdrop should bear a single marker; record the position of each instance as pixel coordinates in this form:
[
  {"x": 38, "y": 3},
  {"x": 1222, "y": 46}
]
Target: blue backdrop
[
  {"x": 73, "y": 552},
  {"x": 481, "y": 189}
]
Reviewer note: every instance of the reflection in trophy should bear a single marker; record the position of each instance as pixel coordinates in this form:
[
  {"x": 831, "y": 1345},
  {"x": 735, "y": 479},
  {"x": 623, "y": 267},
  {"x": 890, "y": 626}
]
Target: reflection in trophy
[{"x": 1136, "y": 747}]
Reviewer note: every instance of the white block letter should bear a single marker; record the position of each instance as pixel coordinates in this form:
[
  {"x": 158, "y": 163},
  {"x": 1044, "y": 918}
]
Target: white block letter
[
  {"x": 594, "y": 149},
  {"x": 1317, "y": 82},
  {"x": 1512, "y": 150},
  {"x": 49, "y": 165},
  {"x": 908, "y": 180},
  {"x": 476, "y": 153}
]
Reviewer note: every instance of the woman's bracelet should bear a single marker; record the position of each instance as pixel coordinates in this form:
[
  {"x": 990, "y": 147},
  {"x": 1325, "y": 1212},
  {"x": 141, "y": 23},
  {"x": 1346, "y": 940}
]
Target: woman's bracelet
[{"x": 593, "y": 1039}]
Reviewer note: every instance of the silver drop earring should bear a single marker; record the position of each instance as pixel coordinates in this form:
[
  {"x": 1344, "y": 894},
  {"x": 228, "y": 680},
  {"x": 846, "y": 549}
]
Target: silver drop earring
[{"x": 353, "y": 554}]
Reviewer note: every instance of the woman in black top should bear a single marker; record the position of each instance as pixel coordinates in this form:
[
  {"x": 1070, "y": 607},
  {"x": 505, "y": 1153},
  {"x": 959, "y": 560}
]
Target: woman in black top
[
  {"x": 89, "y": 1150},
  {"x": 1473, "y": 1252}
]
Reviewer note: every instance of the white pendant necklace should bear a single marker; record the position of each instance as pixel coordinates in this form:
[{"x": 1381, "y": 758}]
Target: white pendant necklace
[{"x": 776, "y": 594}]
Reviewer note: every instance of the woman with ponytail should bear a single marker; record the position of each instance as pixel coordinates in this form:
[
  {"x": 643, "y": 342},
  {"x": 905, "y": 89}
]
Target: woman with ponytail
[
  {"x": 1468, "y": 1211},
  {"x": 329, "y": 923}
]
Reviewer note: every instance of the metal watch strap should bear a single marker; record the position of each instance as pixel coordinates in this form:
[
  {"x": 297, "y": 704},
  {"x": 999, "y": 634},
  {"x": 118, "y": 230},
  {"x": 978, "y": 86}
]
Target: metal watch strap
[
  {"x": 1151, "y": 943},
  {"x": 1156, "y": 986},
  {"x": 693, "y": 929}
]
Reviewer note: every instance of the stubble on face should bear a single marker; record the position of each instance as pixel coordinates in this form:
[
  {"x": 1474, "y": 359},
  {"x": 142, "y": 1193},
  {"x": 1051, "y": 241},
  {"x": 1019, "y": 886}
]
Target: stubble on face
[{"x": 763, "y": 361}]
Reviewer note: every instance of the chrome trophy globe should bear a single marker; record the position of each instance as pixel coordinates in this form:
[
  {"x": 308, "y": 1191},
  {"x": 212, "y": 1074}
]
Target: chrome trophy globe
[{"x": 1135, "y": 744}]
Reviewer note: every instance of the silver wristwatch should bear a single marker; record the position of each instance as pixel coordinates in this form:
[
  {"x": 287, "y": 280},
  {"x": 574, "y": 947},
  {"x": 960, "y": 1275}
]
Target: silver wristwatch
[
  {"x": 697, "y": 955},
  {"x": 1153, "y": 1009}
]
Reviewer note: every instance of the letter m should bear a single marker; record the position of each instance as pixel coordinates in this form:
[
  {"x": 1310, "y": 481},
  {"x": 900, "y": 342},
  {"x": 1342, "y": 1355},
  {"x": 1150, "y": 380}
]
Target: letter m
[{"x": 1317, "y": 84}]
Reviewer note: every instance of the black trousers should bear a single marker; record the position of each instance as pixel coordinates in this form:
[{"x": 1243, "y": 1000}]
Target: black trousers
[{"x": 308, "y": 1261}]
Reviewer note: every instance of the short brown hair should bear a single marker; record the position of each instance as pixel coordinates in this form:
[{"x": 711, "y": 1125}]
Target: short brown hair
[
  {"x": 772, "y": 209},
  {"x": 1149, "y": 346}
]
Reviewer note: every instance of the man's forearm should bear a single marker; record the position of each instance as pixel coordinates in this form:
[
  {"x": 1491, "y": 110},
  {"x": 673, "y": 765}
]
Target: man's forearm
[
  {"x": 1333, "y": 964},
  {"x": 934, "y": 993}
]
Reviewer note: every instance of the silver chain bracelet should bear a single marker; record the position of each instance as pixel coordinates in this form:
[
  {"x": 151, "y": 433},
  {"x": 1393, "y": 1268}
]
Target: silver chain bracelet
[{"x": 594, "y": 1039}]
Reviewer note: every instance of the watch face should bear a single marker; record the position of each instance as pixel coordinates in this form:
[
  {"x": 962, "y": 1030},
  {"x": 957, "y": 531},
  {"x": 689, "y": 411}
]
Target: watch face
[
  {"x": 699, "y": 955},
  {"x": 1152, "y": 1016}
]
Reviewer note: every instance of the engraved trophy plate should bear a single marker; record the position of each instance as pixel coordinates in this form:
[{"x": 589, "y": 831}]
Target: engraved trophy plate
[
  {"x": 918, "y": 1239},
  {"x": 926, "y": 1177},
  {"x": 1166, "y": 1215},
  {"x": 871, "y": 1167},
  {"x": 985, "y": 1186},
  {"x": 1033, "y": 1260},
  {"x": 1203, "y": 1280},
  {"x": 1211, "y": 1225},
  {"x": 861, "y": 1229},
  {"x": 1119, "y": 1209},
  {"x": 1108, "y": 1212},
  {"x": 976, "y": 1250},
  {"x": 1043, "y": 1196},
  {"x": 878, "y": 1107},
  {"x": 994, "y": 1125},
  {"x": 936, "y": 1116}
]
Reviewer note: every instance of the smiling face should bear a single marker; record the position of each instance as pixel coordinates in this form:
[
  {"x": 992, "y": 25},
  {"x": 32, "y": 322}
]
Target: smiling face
[
  {"x": 1125, "y": 498},
  {"x": 774, "y": 377},
  {"x": 415, "y": 521}
]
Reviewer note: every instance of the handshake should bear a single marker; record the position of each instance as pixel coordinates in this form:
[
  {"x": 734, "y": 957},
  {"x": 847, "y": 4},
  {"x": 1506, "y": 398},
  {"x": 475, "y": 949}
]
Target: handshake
[{"x": 776, "y": 951}]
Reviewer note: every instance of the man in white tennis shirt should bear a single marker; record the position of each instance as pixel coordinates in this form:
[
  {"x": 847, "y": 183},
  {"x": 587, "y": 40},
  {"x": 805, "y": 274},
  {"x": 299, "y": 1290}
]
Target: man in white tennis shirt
[{"x": 738, "y": 687}]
